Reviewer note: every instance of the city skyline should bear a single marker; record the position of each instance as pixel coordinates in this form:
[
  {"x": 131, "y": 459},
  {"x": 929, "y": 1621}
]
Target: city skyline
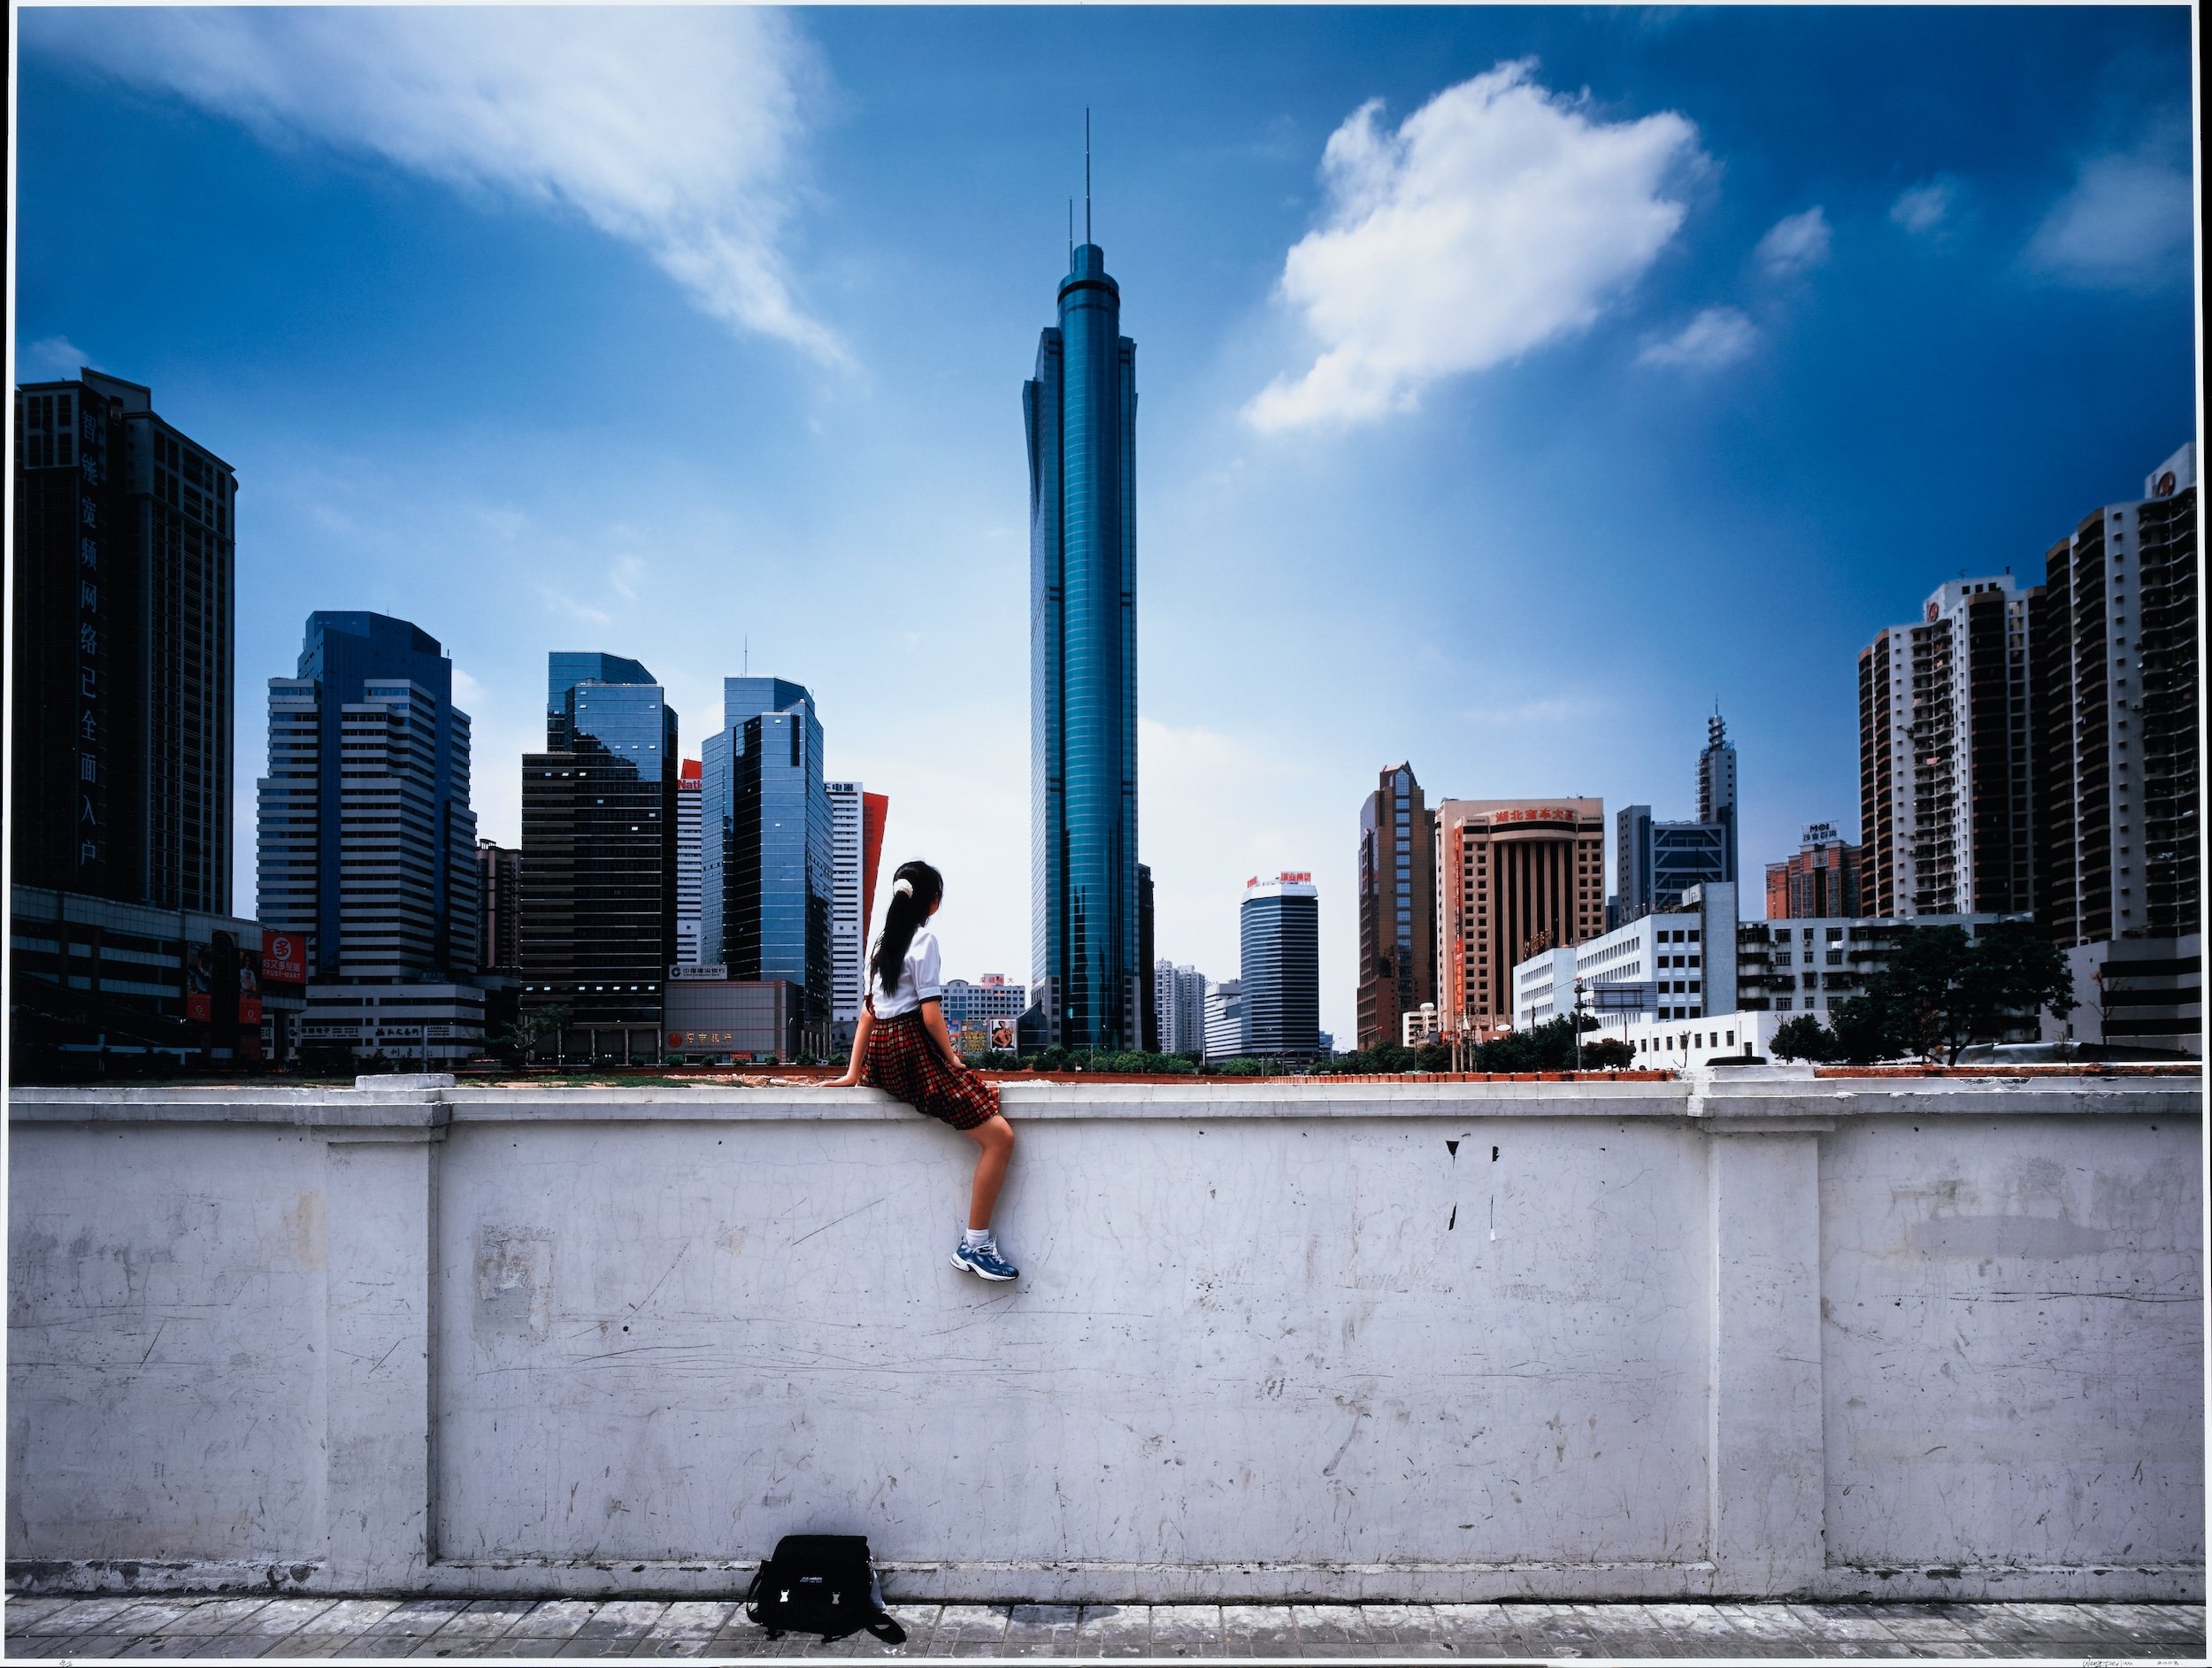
[{"x": 1797, "y": 361}]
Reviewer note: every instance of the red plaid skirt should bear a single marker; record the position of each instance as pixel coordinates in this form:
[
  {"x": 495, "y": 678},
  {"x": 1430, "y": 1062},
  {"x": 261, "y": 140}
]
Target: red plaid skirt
[{"x": 904, "y": 1061}]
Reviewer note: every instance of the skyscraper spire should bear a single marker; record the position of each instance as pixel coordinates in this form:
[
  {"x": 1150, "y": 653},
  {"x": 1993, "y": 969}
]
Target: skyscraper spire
[{"x": 1087, "y": 173}]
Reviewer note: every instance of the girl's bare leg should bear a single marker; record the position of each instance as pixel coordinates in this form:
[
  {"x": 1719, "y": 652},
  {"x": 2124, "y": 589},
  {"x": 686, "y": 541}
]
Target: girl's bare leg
[{"x": 995, "y": 1136}]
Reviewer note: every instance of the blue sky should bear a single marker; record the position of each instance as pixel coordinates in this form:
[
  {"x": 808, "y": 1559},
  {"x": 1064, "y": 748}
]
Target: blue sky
[{"x": 1514, "y": 383}]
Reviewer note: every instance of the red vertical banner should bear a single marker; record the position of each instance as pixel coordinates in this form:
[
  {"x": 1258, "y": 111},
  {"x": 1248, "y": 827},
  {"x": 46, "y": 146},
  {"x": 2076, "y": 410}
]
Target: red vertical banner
[
  {"x": 875, "y": 810},
  {"x": 283, "y": 958}
]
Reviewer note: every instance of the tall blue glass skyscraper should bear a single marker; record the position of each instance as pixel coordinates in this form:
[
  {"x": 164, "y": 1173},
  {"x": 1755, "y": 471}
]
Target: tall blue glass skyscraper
[
  {"x": 1081, "y": 416},
  {"x": 767, "y": 853}
]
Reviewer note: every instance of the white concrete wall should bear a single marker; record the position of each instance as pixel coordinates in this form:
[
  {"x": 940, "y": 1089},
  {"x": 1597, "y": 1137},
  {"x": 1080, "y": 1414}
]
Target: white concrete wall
[{"x": 1764, "y": 1334}]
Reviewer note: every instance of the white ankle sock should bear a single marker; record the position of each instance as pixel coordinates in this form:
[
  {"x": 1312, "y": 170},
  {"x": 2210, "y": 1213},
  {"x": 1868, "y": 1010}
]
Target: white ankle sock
[{"x": 970, "y": 1238}]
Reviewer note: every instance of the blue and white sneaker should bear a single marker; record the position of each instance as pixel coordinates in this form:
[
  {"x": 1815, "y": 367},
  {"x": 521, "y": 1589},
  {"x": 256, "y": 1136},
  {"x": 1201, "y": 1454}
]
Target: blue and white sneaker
[{"x": 984, "y": 1260}]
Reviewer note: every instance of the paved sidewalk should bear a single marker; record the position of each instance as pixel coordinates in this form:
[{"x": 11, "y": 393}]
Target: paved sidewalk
[{"x": 239, "y": 1629}]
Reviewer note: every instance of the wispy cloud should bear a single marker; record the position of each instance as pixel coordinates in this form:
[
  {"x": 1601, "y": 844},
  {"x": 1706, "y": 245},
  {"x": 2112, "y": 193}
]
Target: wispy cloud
[
  {"x": 625, "y": 575},
  {"x": 1717, "y": 336},
  {"x": 2125, "y": 224},
  {"x": 559, "y": 602},
  {"x": 1796, "y": 244},
  {"x": 1922, "y": 208},
  {"x": 672, "y": 129},
  {"x": 52, "y": 357},
  {"x": 1497, "y": 217}
]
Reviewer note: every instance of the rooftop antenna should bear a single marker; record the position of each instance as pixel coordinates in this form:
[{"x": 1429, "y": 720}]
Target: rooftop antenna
[
  {"x": 749, "y": 655},
  {"x": 1087, "y": 173}
]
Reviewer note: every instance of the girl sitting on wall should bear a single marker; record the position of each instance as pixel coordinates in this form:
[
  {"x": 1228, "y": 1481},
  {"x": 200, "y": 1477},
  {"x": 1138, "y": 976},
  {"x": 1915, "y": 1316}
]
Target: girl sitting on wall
[{"x": 902, "y": 1047}]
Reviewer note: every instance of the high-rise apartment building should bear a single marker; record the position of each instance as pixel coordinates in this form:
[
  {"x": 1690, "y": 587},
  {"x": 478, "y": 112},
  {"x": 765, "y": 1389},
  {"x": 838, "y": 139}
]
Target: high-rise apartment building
[
  {"x": 1080, "y": 412},
  {"x": 1397, "y": 906},
  {"x": 599, "y": 856},
  {"x": 121, "y": 644},
  {"x": 1945, "y": 777},
  {"x": 768, "y": 861},
  {"x": 499, "y": 897},
  {"x": 1179, "y": 998},
  {"x": 1820, "y": 881},
  {"x": 856, "y": 820},
  {"x": 1513, "y": 877},
  {"x": 2118, "y": 656},
  {"x": 1280, "y": 935}
]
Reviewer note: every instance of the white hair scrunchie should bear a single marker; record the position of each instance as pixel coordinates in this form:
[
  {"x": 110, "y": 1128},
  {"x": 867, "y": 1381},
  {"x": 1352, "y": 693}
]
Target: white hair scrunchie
[{"x": 905, "y": 888}]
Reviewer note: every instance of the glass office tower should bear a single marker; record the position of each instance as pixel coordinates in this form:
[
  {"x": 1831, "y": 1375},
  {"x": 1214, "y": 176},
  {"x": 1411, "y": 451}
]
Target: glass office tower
[
  {"x": 1080, "y": 413},
  {"x": 1278, "y": 927},
  {"x": 599, "y": 855},
  {"x": 767, "y": 847}
]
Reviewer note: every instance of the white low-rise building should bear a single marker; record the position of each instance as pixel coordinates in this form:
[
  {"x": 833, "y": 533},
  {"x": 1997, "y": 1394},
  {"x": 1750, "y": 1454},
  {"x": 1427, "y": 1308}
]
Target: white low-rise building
[
  {"x": 1543, "y": 987},
  {"x": 1422, "y": 1025}
]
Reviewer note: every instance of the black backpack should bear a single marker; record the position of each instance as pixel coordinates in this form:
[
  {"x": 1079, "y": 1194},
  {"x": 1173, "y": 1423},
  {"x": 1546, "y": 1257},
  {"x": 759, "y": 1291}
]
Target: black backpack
[{"x": 820, "y": 1584}]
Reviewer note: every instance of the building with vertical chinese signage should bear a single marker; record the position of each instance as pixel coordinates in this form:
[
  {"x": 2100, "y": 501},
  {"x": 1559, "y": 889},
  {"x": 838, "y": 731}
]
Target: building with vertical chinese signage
[
  {"x": 123, "y": 551},
  {"x": 1513, "y": 877},
  {"x": 1397, "y": 906},
  {"x": 688, "y": 865},
  {"x": 1079, "y": 414}
]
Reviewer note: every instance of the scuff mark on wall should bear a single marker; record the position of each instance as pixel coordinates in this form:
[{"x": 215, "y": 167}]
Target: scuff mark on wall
[{"x": 514, "y": 1281}]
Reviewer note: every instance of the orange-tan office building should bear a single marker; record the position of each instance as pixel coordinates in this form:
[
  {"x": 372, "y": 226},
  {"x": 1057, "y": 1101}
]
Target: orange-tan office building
[{"x": 1513, "y": 877}]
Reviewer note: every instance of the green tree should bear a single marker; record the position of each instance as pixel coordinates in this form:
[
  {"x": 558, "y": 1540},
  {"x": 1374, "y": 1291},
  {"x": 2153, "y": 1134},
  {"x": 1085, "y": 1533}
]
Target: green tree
[
  {"x": 1607, "y": 1054},
  {"x": 1803, "y": 1038},
  {"x": 1942, "y": 990},
  {"x": 519, "y": 1041}
]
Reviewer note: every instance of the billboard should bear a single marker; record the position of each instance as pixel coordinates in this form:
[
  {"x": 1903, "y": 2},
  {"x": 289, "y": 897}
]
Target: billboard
[{"x": 283, "y": 958}]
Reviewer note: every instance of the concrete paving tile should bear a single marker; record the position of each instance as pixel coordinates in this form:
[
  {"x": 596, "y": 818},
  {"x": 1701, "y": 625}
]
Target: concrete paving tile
[
  {"x": 217, "y": 1615},
  {"x": 18, "y": 1615},
  {"x": 1833, "y": 1622},
  {"x": 1406, "y": 1630},
  {"x": 97, "y": 1647},
  {"x": 281, "y": 1616},
  {"x": 968, "y": 1630},
  {"x": 706, "y": 1616},
  {"x": 629, "y": 1618},
  {"x": 1478, "y": 1631},
  {"x": 556, "y": 1618},
  {"x": 744, "y": 1640},
  {"x": 1330, "y": 1630},
  {"x": 1628, "y": 1630},
  {"x": 673, "y": 1645},
  {"x": 233, "y": 1646},
  {"x": 39, "y": 1647},
  {"x": 350, "y": 1617},
  {"x": 485, "y": 1619},
  {"x": 1114, "y": 1630},
  {"x": 1553, "y": 1630},
  {"x": 1921, "y": 1622},
  {"x": 2144, "y": 1622},
  {"x": 162, "y": 1644},
  {"x": 93, "y": 1615},
  {"x": 1041, "y": 1629},
  {"x": 530, "y": 1646},
  {"x": 147, "y": 1615},
  {"x": 306, "y": 1642},
  {"x": 1258, "y": 1630},
  {"x": 1187, "y": 1630}
]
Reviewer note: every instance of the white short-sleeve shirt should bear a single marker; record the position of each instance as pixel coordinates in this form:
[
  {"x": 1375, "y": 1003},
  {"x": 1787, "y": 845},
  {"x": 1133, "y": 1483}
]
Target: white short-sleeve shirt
[{"x": 920, "y": 979}]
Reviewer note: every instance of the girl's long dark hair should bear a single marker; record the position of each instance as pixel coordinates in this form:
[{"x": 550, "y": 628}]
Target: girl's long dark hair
[{"x": 903, "y": 917}]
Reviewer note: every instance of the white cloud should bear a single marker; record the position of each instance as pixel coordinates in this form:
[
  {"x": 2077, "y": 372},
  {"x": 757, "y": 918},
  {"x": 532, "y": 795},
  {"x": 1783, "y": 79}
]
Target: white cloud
[
  {"x": 2125, "y": 224},
  {"x": 52, "y": 358},
  {"x": 1796, "y": 244},
  {"x": 1497, "y": 217},
  {"x": 670, "y": 128},
  {"x": 1924, "y": 207},
  {"x": 1717, "y": 336}
]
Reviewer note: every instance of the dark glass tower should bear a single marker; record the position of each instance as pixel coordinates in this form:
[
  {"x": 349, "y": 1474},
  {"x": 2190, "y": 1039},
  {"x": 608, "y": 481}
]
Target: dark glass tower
[
  {"x": 767, "y": 846},
  {"x": 1080, "y": 413},
  {"x": 599, "y": 852},
  {"x": 1280, "y": 927}
]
